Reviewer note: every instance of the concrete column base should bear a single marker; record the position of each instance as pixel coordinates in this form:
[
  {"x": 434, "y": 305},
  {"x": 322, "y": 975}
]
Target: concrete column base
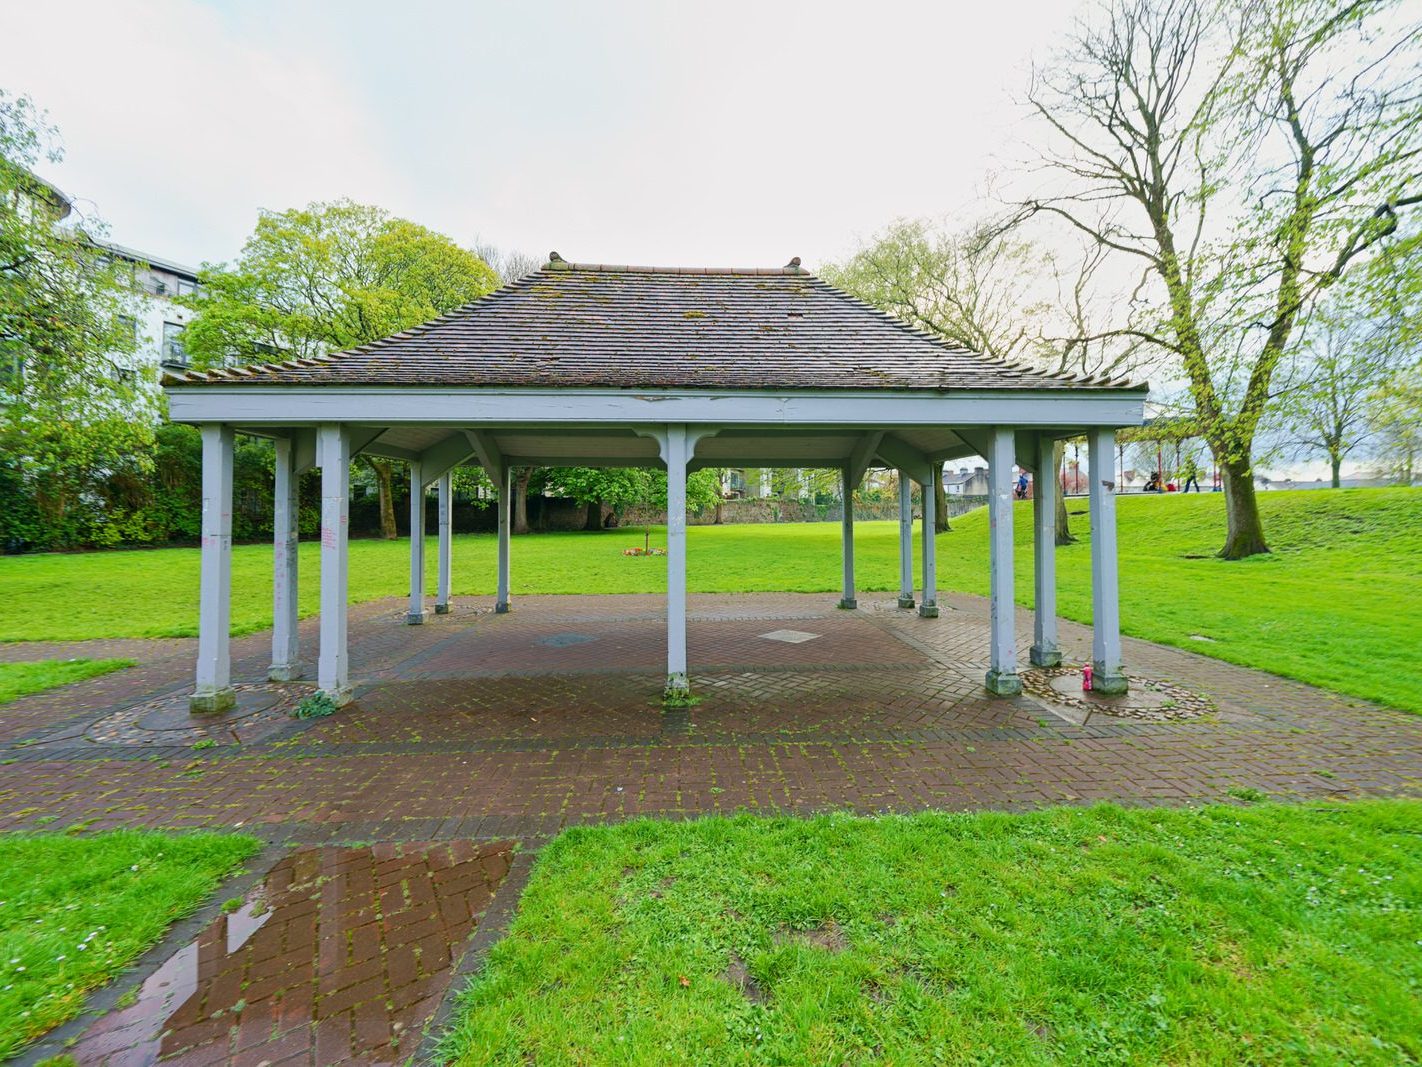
[
  {"x": 283, "y": 672},
  {"x": 906, "y": 601},
  {"x": 1104, "y": 681},
  {"x": 928, "y": 611},
  {"x": 1049, "y": 656},
  {"x": 1003, "y": 683},
  {"x": 848, "y": 603},
  {"x": 678, "y": 689},
  {"x": 340, "y": 696},
  {"x": 215, "y": 701},
  {"x": 501, "y": 609},
  {"x": 443, "y": 609},
  {"x": 416, "y": 618}
]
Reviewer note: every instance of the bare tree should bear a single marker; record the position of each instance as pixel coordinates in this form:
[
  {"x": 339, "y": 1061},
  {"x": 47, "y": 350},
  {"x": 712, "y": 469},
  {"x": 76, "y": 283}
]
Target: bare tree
[
  {"x": 995, "y": 293},
  {"x": 509, "y": 264},
  {"x": 1242, "y": 157}
]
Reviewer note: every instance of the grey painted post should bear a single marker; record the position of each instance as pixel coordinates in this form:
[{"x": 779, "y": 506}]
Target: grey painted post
[
  {"x": 846, "y": 532},
  {"x": 334, "y": 454},
  {"x": 1002, "y": 667},
  {"x": 213, "y": 690},
  {"x": 501, "y": 602},
  {"x": 1106, "y": 673},
  {"x": 678, "y": 685},
  {"x": 905, "y": 540},
  {"x": 1045, "y": 650},
  {"x": 286, "y": 654},
  {"x": 416, "y": 615},
  {"x": 928, "y": 609},
  {"x": 446, "y": 527}
]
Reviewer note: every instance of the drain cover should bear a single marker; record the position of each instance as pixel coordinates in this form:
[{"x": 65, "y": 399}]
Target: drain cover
[{"x": 790, "y": 637}]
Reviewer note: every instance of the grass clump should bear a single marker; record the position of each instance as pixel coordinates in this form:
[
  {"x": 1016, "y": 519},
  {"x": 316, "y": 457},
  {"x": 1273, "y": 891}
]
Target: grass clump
[
  {"x": 1267, "y": 934},
  {"x": 22, "y": 679},
  {"x": 75, "y": 911},
  {"x": 316, "y": 706}
]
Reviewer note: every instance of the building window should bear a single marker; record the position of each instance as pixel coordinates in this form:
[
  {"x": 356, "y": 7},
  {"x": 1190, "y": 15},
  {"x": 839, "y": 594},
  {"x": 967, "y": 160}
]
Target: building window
[
  {"x": 174, "y": 353},
  {"x": 128, "y": 327},
  {"x": 186, "y": 288}
]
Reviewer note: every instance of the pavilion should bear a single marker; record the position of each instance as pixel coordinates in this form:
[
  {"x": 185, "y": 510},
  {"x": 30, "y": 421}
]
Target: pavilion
[{"x": 684, "y": 368}]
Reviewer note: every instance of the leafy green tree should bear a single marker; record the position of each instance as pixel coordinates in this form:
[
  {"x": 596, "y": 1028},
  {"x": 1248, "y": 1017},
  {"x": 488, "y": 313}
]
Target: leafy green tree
[
  {"x": 1395, "y": 416},
  {"x": 327, "y": 277},
  {"x": 1240, "y": 159},
  {"x": 68, "y": 392}
]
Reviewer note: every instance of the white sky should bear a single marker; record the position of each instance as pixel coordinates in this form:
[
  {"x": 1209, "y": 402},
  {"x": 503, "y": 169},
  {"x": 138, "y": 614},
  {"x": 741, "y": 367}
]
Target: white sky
[{"x": 670, "y": 133}]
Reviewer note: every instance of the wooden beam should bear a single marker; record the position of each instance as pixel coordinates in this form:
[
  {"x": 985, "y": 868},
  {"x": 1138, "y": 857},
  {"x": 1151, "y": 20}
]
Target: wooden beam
[
  {"x": 490, "y": 458},
  {"x": 896, "y": 453},
  {"x": 439, "y": 459},
  {"x": 862, "y": 456}
]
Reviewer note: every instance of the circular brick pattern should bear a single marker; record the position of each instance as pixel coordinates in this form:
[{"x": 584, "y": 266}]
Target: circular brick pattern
[
  {"x": 1148, "y": 700},
  {"x": 262, "y": 708}
]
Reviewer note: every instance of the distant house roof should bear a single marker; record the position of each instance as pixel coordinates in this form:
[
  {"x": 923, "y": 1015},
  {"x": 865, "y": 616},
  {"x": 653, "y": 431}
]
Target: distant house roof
[
  {"x": 142, "y": 258},
  {"x": 60, "y": 201},
  {"x": 594, "y": 325}
]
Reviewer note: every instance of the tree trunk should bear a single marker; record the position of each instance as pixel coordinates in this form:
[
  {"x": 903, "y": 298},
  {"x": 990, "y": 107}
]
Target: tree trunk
[
  {"x": 1064, "y": 536},
  {"x": 384, "y": 482},
  {"x": 1336, "y": 461},
  {"x": 594, "y": 520},
  {"x": 940, "y": 501},
  {"x": 520, "y": 508},
  {"x": 1246, "y": 530}
]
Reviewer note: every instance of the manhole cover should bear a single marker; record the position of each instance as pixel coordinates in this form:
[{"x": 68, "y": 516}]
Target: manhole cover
[
  {"x": 790, "y": 637},
  {"x": 1148, "y": 700},
  {"x": 262, "y": 708},
  {"x": 565, "y": 640}
]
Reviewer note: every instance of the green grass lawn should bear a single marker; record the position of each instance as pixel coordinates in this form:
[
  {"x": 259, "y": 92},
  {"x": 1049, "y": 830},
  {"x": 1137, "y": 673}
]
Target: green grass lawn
[
  {"x": 21, "y": 679},
  {"x": 76, "y": 910},
  {"x": 1336, "y": 604},
  {"x": 1219, "y": 935}
]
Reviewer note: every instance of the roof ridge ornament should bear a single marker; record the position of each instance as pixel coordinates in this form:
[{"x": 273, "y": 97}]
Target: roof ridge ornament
[{"x": 557, "y": 262}]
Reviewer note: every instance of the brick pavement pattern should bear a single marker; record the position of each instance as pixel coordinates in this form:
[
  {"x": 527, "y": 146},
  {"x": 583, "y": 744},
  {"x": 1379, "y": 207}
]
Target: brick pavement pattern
[
  {"x": 341, "y": 955},
  {"x": 477, "y": 727}
]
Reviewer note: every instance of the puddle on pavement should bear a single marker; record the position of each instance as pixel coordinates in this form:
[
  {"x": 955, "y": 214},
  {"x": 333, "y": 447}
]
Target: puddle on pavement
[{"x": 340, "y": 955}]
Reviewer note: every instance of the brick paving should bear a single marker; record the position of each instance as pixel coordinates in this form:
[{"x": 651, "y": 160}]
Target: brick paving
[{"x": 479, "y": 727}]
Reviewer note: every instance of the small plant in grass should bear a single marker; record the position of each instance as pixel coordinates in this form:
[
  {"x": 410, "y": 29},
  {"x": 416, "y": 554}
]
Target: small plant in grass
[
  {"x": 1248, "y": 794},
  {"x": 316, "y": 706}
]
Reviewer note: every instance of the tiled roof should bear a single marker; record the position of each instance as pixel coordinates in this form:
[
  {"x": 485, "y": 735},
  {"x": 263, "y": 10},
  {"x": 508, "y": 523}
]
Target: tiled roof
[{"x": 590, "y": 325}]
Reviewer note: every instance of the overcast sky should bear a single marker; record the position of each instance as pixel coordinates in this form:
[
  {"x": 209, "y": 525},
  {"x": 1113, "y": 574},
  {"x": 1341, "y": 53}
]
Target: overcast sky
[{"x": 730, "y": 133}]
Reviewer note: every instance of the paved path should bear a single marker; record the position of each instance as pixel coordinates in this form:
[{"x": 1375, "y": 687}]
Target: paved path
[{"x": 478, "y": 728}]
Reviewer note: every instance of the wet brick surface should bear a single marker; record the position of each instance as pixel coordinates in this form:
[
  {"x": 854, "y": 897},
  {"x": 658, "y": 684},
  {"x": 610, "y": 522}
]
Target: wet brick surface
[
  {"x": 341, "y": 955},
  {"x": 479, "y": 727}
]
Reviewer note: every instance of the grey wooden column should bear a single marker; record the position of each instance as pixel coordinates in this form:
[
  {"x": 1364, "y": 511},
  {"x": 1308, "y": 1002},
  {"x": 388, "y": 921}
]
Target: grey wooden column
[
  {"x": 676, "y": 454},
  {"x": 416, "y": 614},
  {"x": 1002, "y": 665},
  {"x": 334, "y": 456},
  {"x": 446, "y": 529},
  {"x": 1106, "y": 673},
  {"x": 905, "y": 540},
  {"x": 846, "y": 534},
  {"x": 1046, "y": 652},
  {"x": 286, "y": 652},
  {"x": 213, "y": 689},
  {"x": 928, "y": 609},
  {"x": 505, "y": 475}
]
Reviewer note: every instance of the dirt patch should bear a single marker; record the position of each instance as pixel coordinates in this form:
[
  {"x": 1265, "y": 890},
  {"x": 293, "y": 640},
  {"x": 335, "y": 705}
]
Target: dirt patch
[
  {"x": 1042, "y": 1031},
  {"x": 738, "y": 975},
  {"x": 827, "y": 936}
]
